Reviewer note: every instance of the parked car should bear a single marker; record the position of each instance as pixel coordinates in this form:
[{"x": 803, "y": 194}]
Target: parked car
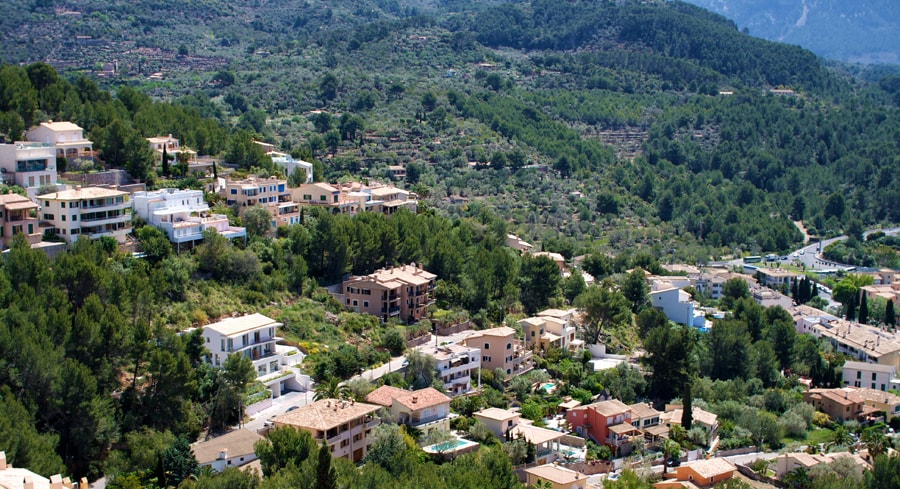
[
  {"x": 291, "y": 408},
  {"x": 673, "y": 462}
]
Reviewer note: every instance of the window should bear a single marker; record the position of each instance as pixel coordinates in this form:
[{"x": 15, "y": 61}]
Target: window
[
  {"x": 365, "y": 303},
  {"x": 75, "y": 217},
  {"x": 233, "y": 191},
  {"x": 62, "y": 205},
  {"x": 63, "y": 217},
  {"x": 48, "y": 217},
  {"x": 487, "y": 346},
  {"x": 873, "y": 375},
  {"x": 322, "y": 198},
  {"x": 509, "y": 346},
  {"x": 355, "y": 302}
]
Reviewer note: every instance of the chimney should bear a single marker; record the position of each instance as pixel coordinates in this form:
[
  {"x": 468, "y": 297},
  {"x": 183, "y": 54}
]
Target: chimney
[
  {"x": 223, "y": 454},
  {"x": 28, "y": 482},
  {"x": 56, "y": 482},
  {"x": 415, "y": 399},
  {"x": 2, "y": 460}
]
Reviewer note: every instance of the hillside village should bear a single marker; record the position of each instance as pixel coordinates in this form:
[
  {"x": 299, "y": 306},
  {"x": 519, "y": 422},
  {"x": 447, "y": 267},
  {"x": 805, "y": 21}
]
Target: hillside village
[
  {"x": 582, "y": 441},
  {"x": 405, "y": 244}
]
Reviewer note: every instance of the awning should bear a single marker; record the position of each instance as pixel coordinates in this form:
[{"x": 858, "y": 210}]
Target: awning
[{"x": 623, "y": 429}]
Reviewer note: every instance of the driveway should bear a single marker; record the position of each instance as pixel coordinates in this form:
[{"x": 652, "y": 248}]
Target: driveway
[{"x": 279, "y": 406}]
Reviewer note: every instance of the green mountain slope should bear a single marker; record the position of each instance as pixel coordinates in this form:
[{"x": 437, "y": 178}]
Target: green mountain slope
[{"x": 653, "y": 121}]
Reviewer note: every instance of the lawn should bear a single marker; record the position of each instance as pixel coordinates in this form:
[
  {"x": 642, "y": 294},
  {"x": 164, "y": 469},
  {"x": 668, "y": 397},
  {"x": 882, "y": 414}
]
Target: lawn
[
  {"x": 820, "y": 435},
  {"x": 816, "y": 436}
]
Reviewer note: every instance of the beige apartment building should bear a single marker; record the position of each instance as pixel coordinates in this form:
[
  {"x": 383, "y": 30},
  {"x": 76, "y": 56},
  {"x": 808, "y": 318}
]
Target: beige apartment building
[
  {"x": 404, "y": 292},
  {"x": 252, "y": 191},
  {"x": 345, "y": 426},
  {"x": 91, "y": 212},
  {"x": 501, "y": 350}
]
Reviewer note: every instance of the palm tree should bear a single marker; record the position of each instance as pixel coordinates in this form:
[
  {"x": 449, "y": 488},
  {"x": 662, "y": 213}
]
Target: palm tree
[
  {"x": 670, "y": 449},
  {"x": 841, "y": 437},
  {"x": 875, "y": 441},
  {"x": 331, "y": 389},
  {"x": 797, "y": 478}
]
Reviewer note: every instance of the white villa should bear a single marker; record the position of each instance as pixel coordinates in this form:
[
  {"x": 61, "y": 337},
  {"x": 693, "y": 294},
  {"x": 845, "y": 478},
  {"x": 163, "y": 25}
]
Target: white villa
[
  {"x": 254, "y": 337},
  {"x": 28, "y": 164},
  {"x": 182, "y": 214},
  {"x": 67, "y": 138}
]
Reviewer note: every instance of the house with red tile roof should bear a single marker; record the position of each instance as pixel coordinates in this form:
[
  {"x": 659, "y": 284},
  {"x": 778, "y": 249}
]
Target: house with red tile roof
[{"x": 424, "y": 409}]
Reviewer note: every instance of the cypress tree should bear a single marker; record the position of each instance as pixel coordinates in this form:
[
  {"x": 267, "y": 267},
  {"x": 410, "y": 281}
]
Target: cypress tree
[
  {"x": 160, "y": 470},
  {"x": 851, "y": 310},
  {"x": 890, "y": 316},
  {"x": 863, "y": 309},
  {"x": 165, "y": 162},
  {"x": 326, "y": 478},
  {"x": 687, "y": 408},
  {"x": 795, "y": 290}
]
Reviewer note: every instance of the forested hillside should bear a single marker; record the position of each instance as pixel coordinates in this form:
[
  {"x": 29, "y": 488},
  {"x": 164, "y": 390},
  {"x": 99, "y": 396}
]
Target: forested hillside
[{"x": 653, "y": 118}]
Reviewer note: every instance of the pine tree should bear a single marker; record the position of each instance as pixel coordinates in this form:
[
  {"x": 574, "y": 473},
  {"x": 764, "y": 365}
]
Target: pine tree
[
  {"x": 326, "y": 478},
  {"x": 890, "y": 317},
  {"x": 863, "y": 309}
]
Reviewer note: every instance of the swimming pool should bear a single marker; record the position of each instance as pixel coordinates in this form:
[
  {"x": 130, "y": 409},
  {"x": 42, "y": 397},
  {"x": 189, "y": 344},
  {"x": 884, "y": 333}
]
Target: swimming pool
[{"x": 449, "y": 446}]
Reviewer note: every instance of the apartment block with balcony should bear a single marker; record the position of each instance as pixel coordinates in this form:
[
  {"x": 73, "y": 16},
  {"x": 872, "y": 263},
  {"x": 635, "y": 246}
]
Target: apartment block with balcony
[
  {"x": 252, "y": 191},
  {"x": 66, "y": 138},
  {"x": 501, "y": 350},
  {"x": 182, "y": 214},
  {"x": 424, "y": 409},
  {"x": 89, "y": 212},
  {"x": 344, "y": 426},
  {"x": 868, "y": 344},
  {"x": 28, "y": 164},
  {"x": 552, "y": 328},
  {"x": 607, "y": 422},
  {"x": 354, "y": 197},
  {"x": 16, "y": 217},
  {"x": 404, "y": 292},
  {"x": 458, "y": 366}
]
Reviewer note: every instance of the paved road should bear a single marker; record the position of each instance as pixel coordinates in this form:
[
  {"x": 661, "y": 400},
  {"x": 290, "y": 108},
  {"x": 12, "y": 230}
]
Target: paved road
[{"x": 395, "y": 365}]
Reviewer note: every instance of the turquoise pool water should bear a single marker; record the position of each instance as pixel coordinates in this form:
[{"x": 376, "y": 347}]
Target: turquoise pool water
[{"x": 548, "y": 386}]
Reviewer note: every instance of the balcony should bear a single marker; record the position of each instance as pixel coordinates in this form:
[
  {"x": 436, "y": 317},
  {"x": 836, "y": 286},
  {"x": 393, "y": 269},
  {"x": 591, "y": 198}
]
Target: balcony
[{"x": 262, "y": 341}]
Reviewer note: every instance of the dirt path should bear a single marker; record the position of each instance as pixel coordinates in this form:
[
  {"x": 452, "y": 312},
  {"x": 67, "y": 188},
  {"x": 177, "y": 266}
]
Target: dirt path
[{"x": 802, "y": 229}]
